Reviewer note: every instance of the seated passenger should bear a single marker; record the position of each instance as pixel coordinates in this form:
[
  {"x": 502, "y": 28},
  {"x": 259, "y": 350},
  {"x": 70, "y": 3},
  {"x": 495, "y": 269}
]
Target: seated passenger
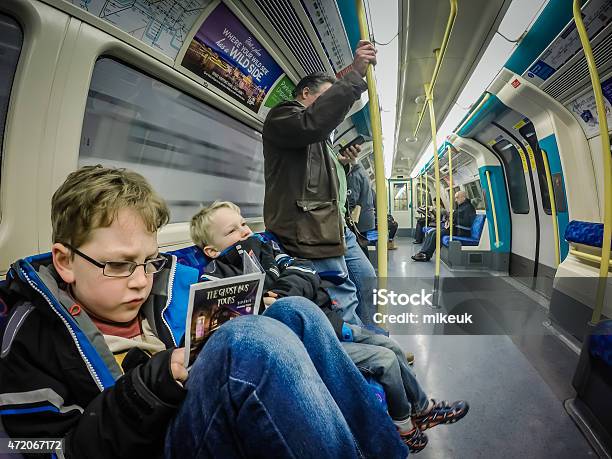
[
  {"x": 463, "y": 217},
  {"x": 223, "y": 234},
  {"x": 89, "y": 353},
  {"x": 392, "y": 226}
]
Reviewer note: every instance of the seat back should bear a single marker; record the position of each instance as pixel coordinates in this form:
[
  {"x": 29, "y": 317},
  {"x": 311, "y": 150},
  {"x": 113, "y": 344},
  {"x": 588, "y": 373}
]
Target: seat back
[
  {"x": 477, "y": 226},
  {"x": 587, "y": 233}
]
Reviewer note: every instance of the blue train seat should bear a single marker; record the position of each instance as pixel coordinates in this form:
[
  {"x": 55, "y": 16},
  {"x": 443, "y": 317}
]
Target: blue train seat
[
  {"x": 476, "y": 232},
  {"x": 587, "y": 233},
  {"x": 600, "y": 343}
]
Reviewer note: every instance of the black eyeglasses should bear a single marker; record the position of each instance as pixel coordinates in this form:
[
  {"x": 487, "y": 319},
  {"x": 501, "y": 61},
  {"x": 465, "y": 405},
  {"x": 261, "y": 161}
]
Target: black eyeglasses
[{"x": 123, "y": 268}]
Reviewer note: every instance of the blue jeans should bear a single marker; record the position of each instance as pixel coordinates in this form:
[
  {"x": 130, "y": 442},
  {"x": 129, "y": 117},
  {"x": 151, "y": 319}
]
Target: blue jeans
[
  {"x": 362, "y": 274},
  {"x": 279, "y": 388},
  {"x": 381, "y": 357},
  {"x": 353, "y": 297}
]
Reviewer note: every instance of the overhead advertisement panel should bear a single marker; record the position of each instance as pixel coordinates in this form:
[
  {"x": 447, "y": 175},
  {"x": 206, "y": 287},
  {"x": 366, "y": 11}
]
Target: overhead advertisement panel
[
  {"x": 162, "y": 25},
  {"x": 596, "y": 15},
  {"x": 325, "y": 18},
  {"x": 225, "y": 54},
  {"x": 585, "y": 111}
]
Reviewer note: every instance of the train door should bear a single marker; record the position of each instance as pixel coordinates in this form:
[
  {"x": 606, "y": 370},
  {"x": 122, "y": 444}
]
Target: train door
[
  {"x": 524, "y": 251},
  {"x": 523, "y": 136},
  {"x": 548, "y": 238}
]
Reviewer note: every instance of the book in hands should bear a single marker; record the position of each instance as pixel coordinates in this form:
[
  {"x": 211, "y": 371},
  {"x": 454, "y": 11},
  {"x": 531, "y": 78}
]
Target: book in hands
[{"x": 214, "y": 302}]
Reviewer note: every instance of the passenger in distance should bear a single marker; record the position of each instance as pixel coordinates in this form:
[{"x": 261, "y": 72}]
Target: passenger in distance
[
  {"x": 305, "y": 181},
  {"x": 223, "y": 235},
  {"x": 463, "y": 217},
  {"x": 90, "y": 353}
]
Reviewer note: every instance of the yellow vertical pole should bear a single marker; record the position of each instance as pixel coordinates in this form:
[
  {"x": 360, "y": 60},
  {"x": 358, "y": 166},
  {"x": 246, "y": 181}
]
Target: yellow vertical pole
[
  {"x": 492, "y": 199},
  {"x": 451, "y": 196},
  {"x": 607, "y": 163},
  {"x": 379, "y": 165},
  {"x": 553, "y": 206},
  {"x": 432, "y": 118},
  {"x": 426, "y": 198}
]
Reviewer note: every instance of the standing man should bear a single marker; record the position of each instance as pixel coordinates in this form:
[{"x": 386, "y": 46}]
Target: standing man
[
  {"x": 360, "y": 199},
  {"x": 463, "y": 218},
  {"x": 304, "y": 204}
]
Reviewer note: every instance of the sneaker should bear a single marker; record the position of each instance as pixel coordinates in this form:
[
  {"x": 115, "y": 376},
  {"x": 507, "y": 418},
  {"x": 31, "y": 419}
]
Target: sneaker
[
  {"x": 415, "y": 440},
  {"x": 441, "y": 413},
  {"x": 391, "y": 246}
]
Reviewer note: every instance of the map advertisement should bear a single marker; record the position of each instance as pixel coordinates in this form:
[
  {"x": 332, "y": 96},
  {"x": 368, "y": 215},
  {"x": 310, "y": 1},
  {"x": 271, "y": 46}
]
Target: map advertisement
[
  {"x": 161, "y": 24},
  {"x": 585, "y": 111},
  {"x": 225, "y": 54},
  {"x": 596, "y": 15},
  {"x": 325, "y": 18}
]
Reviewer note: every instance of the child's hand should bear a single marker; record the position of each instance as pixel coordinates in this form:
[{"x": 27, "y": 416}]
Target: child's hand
[
  {"x": 177, "y": 365},
  {"x": 269, "y": 298}
]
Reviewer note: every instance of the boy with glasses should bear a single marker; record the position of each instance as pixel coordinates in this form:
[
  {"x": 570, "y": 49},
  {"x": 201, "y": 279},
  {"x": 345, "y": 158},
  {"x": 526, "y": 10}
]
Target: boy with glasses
[{"x": 90, "y": 353}]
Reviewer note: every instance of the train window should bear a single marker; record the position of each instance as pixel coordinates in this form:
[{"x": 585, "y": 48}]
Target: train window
[
  {"x": 519, "y": 201},
  {"x": 400, "y": 196},
  {"x": 529, "y": 134},
  {"x": 473, "y": 190},
  {"x": 191, "y": 153},
  {"x": 560, "y": 201},
  {"x": 11, "y": 39}
]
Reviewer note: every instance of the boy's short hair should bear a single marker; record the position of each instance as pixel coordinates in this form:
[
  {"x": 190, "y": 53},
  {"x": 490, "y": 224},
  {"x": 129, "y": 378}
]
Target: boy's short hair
[
  {"x": 201, "y": 222},
  {"x": 91, "y": 197}
]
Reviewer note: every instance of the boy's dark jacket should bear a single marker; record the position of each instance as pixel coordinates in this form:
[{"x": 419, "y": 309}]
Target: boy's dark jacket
[
  {"x": 285, "y": 276},
  {"x": 58, "y": 379}
]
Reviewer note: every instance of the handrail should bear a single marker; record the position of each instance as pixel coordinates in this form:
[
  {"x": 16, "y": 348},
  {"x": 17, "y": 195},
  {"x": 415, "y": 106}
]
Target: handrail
[
  {"x": 586, "y": 256},
  {"x": 426, "y": 198},
  {"x": 439, "y": 57},
  {"x": 488, "y": 174},
  {"x": 432, "y": 119},
  {"x": 607, "y": 163},
  {"x": 553, "y": 206},
  {"x": 379, "y": 164},
  {"x": 451, "y": 202},
  {"x": 478, "y": 107}
]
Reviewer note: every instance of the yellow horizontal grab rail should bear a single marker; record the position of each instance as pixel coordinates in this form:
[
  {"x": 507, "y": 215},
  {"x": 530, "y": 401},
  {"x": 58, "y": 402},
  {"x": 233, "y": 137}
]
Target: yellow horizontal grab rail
[
  {"x": 379, "y": 164},
  {"x": 586, "y": 256},
  {"x": 493, "y": 208},
  {"x": 478, "y": 107},
  {"x": 607, "y": 163},
  {"x": 439, "y": 57},
  {"x": 553, "y": 206}
]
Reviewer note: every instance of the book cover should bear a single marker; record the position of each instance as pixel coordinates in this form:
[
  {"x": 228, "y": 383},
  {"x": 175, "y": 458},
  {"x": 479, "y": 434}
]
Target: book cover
[{"x": 214, "y": 302}]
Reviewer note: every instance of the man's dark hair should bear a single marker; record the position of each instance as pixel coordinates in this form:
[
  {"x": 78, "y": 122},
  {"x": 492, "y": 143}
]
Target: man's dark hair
[{"x": 313, "y": 81}]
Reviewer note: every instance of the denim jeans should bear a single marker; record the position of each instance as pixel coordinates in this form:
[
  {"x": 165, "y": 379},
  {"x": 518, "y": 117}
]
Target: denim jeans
[
  {"x": 279, "y": 388},
  {"x": 381, "y": 357},
  {"x": 362, "y": 274},
  {"x": 353, "y": 297}
]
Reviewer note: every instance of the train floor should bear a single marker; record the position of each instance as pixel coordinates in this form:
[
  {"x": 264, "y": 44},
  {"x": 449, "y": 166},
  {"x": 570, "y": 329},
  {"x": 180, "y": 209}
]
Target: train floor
[{"x": 515, "y": 382}]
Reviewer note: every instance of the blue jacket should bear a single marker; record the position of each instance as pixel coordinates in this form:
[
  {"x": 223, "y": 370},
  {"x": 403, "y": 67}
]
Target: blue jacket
[{"x": 59, "y": 379}]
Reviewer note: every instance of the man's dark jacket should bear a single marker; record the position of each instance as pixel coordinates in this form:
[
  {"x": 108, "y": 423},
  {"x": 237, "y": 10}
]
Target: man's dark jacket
[
  {"x": 463, "y": 217},
  {"x": 301, "y": 200}
]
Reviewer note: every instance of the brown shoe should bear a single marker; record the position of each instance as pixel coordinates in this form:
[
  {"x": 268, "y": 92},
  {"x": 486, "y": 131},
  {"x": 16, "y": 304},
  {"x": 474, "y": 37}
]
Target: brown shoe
[
  {"x": 391, "y": 245},
  {"x": 410, "y": 358}
]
